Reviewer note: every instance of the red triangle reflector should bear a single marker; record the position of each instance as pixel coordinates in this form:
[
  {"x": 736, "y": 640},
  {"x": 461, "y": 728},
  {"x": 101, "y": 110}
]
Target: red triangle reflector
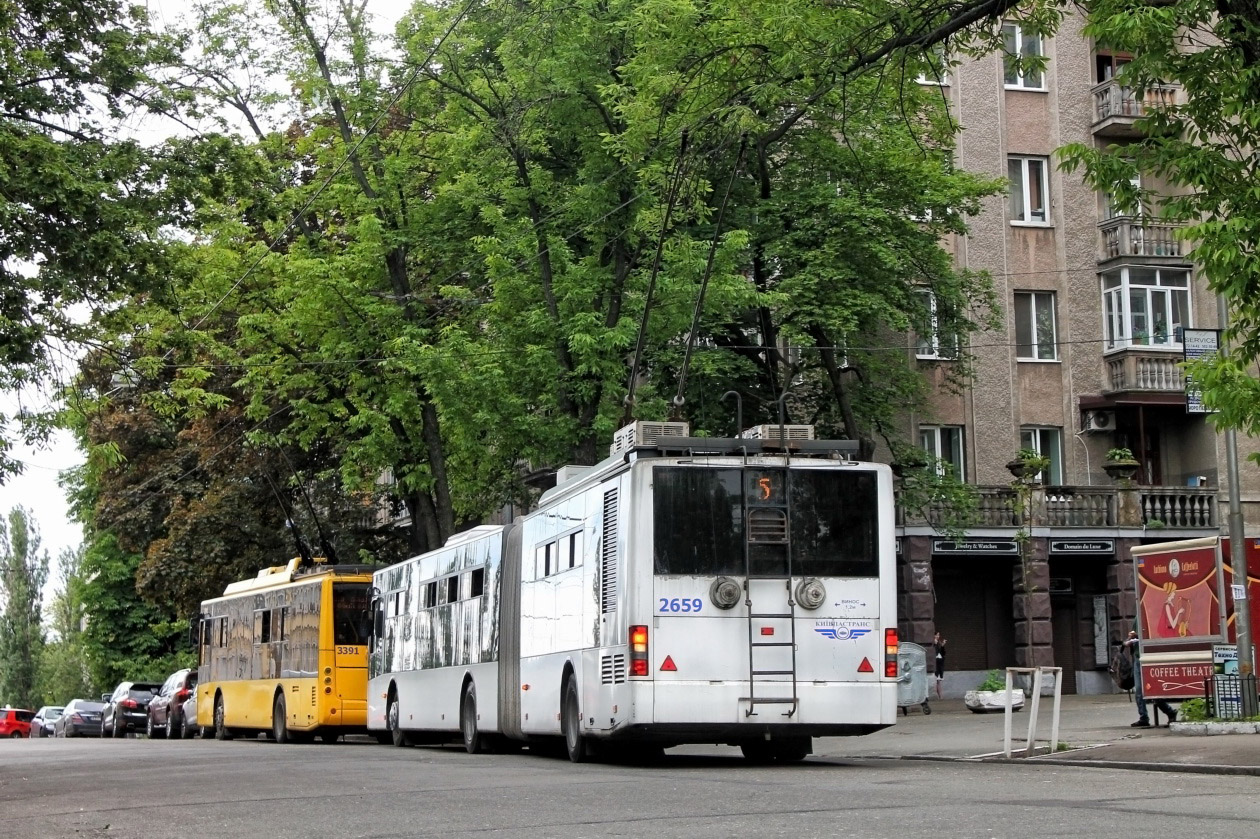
[
  {"x": 668, "y": 664},
  {"x": 865, "y": 666}
]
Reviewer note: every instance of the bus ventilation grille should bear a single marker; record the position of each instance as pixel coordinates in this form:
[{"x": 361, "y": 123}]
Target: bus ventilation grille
[
  {"x": 767, "y": 525},
  {"x": 612, "y": 669},
  {"x": 643, "y": 433},
  {"x": 774, "y": 431}
]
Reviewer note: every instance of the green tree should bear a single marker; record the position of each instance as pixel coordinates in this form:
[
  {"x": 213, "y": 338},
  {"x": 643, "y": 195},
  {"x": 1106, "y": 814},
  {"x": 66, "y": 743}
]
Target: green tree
[
  {"x": 63, "y": 668},
  {"x": 463, "y": 293},
  {"x": 126, "y": 637},
  {"x": 23, "y": 571}
]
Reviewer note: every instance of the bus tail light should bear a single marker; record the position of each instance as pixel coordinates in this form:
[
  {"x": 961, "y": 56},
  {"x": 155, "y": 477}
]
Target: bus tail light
[
  {"x": 638, "y": 651},
  {"x": 890, "y": 653}
]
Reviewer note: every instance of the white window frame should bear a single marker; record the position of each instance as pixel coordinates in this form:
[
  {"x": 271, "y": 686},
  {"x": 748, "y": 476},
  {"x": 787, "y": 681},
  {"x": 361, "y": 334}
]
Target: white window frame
[
  {"x": 1046, "y": 441},
  {"x": 946, "y": 444},
  {"x": 931, "y": 346},
  {"x": 1132, "y": 307},
  {"x": 1032, "y": 320},
  {"x": 1019, "y": 168},
  {"x": 938, "y": 61},
  {"x": 1017, "y": 44}
]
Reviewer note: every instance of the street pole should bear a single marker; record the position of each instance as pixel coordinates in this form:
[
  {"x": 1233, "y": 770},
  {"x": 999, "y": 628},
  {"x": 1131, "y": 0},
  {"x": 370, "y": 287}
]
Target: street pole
[{"x": 1237, "y": 547}]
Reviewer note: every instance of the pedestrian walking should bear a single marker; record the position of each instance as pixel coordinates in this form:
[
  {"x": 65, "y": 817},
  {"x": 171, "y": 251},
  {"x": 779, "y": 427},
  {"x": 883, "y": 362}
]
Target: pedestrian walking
[
  {"x": 1133, "y": 647},
  {"x": 938, "y": 645}
]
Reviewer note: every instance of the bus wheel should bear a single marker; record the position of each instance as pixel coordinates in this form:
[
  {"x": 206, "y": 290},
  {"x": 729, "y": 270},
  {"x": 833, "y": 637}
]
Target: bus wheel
[
  {"x": 791, "y": 749},
  {"x": 468, "y": 721},
  {"x": 220, "y": 727},
  {"x": 396, "y": 735},
  {"x": 757, "y": 751},
  {"x": 571, "y": 723},
  {"x": 279, "y": 720}
]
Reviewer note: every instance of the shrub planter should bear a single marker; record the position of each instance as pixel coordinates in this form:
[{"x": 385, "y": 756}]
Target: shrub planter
[{"x": 990, "y": 701}]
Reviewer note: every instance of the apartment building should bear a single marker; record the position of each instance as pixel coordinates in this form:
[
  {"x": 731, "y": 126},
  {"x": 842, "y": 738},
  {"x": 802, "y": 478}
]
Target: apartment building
[{"x": 1097, "y": 299}]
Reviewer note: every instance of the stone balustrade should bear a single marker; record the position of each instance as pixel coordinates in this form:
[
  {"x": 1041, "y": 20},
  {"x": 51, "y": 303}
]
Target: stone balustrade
[{"x": 1075, "y": 506}]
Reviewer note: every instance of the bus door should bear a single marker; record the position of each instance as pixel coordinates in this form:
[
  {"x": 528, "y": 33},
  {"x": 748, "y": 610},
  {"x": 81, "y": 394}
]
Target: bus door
[{"x": 352, "y": 627}]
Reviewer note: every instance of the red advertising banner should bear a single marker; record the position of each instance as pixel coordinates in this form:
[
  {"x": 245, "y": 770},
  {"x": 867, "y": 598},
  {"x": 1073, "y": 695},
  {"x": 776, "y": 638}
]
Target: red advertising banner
[
  {"x": 1175, "y": 680},
  {"x": 1178, "y": 591}
]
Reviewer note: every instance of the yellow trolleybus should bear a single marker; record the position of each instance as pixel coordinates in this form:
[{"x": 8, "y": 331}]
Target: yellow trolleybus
[{"x": 286, "y": 653}]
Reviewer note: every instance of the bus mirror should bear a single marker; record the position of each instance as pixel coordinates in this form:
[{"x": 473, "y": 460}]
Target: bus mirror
[
  {"x": 378, "y": 624},
  {"x": 194, "y": 631}
]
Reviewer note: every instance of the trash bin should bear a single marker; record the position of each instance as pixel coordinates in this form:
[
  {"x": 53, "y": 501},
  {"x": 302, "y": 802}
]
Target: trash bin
[{"x": 912, "y": 677}]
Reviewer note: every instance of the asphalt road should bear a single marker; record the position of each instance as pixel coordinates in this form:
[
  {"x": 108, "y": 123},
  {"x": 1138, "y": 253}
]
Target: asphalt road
[{"x": 137, "y": 788}]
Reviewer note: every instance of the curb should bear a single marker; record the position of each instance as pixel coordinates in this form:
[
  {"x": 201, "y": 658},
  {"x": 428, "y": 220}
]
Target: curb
[{"x": 1190, "y": 768}]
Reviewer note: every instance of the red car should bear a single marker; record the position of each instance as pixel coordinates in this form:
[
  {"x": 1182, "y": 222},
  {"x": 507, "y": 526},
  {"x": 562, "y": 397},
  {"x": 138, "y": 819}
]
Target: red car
[
  {"x": 15, "y": 722},
  {"x": 166, "y": 709}
]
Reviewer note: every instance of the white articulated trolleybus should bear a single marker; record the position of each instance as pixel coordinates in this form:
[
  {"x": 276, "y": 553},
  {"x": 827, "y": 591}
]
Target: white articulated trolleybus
[{"x": 686, "y": 590}]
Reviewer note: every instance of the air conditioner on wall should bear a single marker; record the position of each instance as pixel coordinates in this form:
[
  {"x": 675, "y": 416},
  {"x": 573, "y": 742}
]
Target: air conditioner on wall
[{"x": 1100, "y": 421}]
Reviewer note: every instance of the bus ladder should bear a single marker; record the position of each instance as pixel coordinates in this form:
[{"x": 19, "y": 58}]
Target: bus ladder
[{"x": 769, "y": 661}]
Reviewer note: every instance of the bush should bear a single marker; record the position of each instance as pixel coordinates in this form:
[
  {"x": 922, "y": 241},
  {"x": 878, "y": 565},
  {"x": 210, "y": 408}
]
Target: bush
[
  {"x": 994, "y": 680},
  {"x": 1193, "y": 710}
]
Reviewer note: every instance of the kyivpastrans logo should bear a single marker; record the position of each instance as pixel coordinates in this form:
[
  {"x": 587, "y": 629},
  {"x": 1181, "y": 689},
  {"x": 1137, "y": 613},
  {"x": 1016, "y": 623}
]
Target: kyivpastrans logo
[{"x": 843, "y": 630}]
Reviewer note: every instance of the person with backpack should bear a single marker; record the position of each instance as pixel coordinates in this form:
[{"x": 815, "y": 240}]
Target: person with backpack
[{"x": 1132, "y": 648}]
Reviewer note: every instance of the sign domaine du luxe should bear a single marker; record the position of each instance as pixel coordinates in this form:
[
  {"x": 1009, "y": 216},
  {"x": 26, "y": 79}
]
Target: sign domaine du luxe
[
  {"x": 975, "y": 546},
  {"x": 1082, "y": 546}
]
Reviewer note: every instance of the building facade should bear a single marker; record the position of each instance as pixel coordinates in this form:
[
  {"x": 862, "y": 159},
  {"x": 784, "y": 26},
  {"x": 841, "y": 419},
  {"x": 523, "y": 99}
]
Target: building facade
[{"x": 1097, "y": 298}]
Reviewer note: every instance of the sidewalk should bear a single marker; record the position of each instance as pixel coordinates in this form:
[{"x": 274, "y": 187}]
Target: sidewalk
[{"x": 1093, "y": 731}]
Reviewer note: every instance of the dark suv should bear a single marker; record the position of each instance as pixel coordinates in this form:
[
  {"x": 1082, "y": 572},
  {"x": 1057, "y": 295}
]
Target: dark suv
[
  {"x": 127, "y": 708},
  {"x": 166, "y": 709}
]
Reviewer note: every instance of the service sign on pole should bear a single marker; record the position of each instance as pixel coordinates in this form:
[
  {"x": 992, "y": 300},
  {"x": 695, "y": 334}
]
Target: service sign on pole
[{"x": 1198, "y": 343}]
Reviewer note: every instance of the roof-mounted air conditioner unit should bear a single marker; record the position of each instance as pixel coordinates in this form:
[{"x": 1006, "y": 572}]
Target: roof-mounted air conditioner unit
[
  {"x": 774, "y": 431},
  {"x": 643, "y": 433}
]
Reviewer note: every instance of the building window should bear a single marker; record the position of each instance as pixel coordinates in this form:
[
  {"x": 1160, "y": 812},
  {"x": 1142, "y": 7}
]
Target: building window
[
  {"x": 1047, "y": 442},
  {"x": 1021, "y": 47},
  {"x": 933, "y": 341},
  {"x": 1145, "y": 306},
  {"x": 945, "y": 443},
  {"x": 937, "y": 70},
  {"x": 1036, "y": 338},
  {"x": 1030, "y": 191}
]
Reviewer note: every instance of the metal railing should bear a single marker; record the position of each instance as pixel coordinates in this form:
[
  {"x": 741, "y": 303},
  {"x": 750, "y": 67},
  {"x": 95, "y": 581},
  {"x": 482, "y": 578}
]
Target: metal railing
[{"x": 1231, "y": 697}]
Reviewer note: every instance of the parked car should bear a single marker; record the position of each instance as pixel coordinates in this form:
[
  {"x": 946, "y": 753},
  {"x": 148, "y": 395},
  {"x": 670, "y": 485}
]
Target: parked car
[
  {"x": 167, "y": 707},
  {"x": 15, "y": 722},
  {"x": 80, "y": 718},
  {"x": 42, "y": 724},
  {"x": 188, "y": 714},
  {"x": 127, "y": 708}
]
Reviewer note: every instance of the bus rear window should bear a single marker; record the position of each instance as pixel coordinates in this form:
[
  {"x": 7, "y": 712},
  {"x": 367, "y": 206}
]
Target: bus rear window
[
  {"x": 835, "y": 522},
  {"x": 351, "y": 621},
  {"x": 701, "y": 518}
]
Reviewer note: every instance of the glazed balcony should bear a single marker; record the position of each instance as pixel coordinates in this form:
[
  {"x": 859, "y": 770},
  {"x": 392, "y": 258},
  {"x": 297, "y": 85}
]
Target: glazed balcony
[
  {"x": 1128, "y": 237},
  {"x": 1149, "y": 507},
  {"x": 1117, "y": 109}
]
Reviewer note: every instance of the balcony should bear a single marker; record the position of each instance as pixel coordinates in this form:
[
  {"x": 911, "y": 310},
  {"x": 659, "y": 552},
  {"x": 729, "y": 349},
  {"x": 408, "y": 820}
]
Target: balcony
[
  {"x": 1143, "y": 369},
  {"x": 1117, "y": 109},
  {"x": 1124, "y": 237},
  {"x": 1088, "y": 507}
]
